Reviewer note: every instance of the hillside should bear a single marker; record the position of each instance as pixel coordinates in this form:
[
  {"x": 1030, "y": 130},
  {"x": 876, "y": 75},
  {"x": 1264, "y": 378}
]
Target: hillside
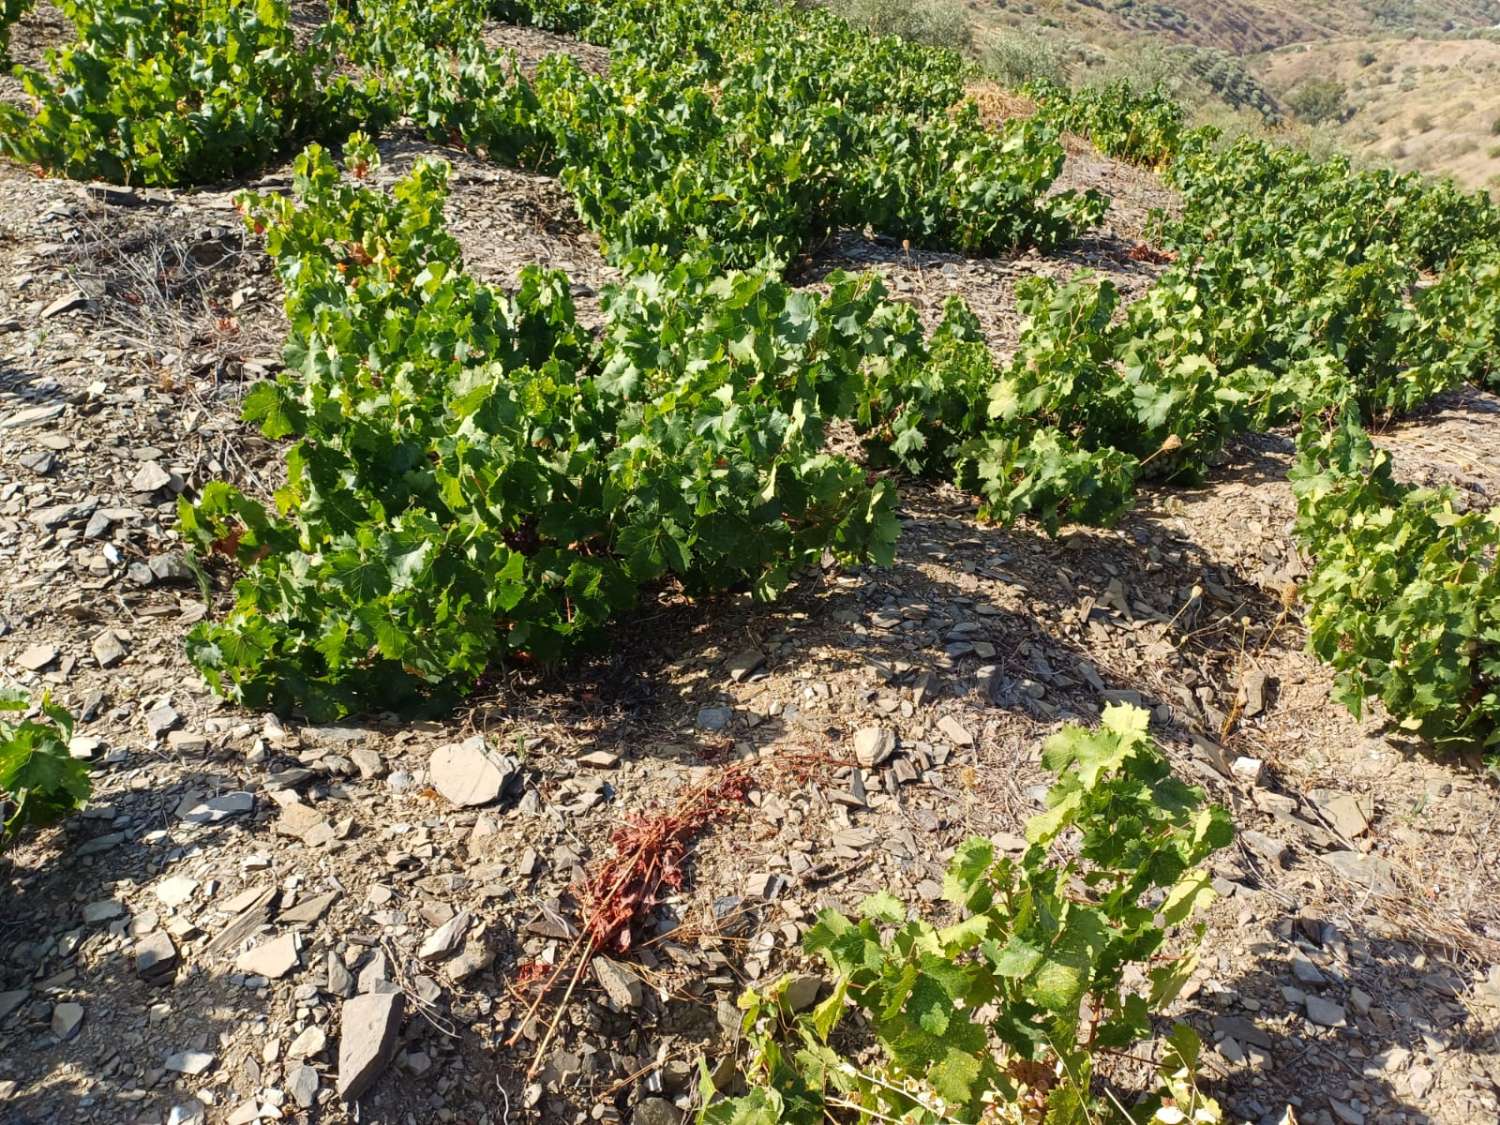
[
  {"x": 1419, "y": 80},
  {"x": 1419, "y": 104},
  {"x": 1243, "y": 26}
]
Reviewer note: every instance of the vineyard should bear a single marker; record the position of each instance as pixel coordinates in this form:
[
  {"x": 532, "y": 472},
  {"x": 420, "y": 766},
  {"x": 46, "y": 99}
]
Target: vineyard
[{"x": 654, "y": 561}]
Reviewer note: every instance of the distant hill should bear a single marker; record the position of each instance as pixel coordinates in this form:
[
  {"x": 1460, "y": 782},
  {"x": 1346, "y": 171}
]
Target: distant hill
[{"x": 1411, "y": 83}]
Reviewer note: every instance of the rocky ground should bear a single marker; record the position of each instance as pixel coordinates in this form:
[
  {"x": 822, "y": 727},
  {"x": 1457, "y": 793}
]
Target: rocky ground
[{"x": 255, "y": 918}]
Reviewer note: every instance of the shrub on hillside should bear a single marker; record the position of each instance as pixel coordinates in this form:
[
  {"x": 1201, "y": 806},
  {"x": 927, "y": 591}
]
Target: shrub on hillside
[
  {"x": 1015, "y": 58},
  {"x": 1318, "y": 100},
  {"x": 938, "y": 23}
]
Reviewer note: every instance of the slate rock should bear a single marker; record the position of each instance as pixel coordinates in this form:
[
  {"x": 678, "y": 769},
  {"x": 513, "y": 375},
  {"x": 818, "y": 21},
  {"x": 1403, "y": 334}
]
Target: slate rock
[
  {"x": 309, "y": 1044},
  {"x": 65, "y": 1020},
  {"x": 873, "y": 745},
  {"x": 36, "y": 657},
  {"x": 1368, "y": 871},
  {"x": 156, "y": 958},
  {"x": 1325, "y": 1013},
  {"x": 367, "y": 1040},
  {"x": 470, "y": 774},
  {"x": 742, "y": 665},
  {"x": 173, "y": 567},
  {"x": 215, "y": 809},
  {"x": 955, "y": 732},
  {"x": 308, "y": 911},
  {"x": 656, "y": 1111},
  {"x": 802, "y": 992},
  {"x": 272, "y": 959},
  {"x": 302, "y": 1084},
  {"x": 108, "y": 649},
  {"x": 340, "y": 980},
  {"x": 104, "y": 911},
  {"x": 714, "y": 719},
  {"x": 447, "y": 939},
  {"x": 191, "y": 1063},
  {"x": 31, "y": 416},
  {"x": 10, "y": 1001},
  {"x": 161, "y": 719},
  {"x": 619, "y": 983}
]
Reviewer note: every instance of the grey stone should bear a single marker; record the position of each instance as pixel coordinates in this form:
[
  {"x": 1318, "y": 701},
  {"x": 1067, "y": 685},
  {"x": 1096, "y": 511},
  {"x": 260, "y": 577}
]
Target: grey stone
[
  {"x": 156, "y": 958},
  {"x": 475, "y": 956},
  {"x": 469, "y": 773},
  {"x": 172, "y": 567},
  {"x": 955, "y": 732},
  {"x": 308, "y": 1044},
  {"x": 308, "y": 911},
  {"x": 335, "y": 735},
  {"x": 1325, "y": 1013},
  {"x": 191, "y": 1063},
  {"x": 367, "y": 1040},
  {"x": 1419, "y": 1082},
  {"x": 714, "y": 719},
  {"x": 302, "y": 822},
  {"x": 188, "y": 1113},
  {"x": 802, "y": 992},
  {"x": 150, "y": 477},
  {"x": 271, "y": 959},
  {"x": 104, "y": 911},
  {"x": 108, "y": 649},
  {"x": 600, "y": 760},
  {"x": 619, "y": 982},
  {"x": 161, "y": 719},
  {"x": 36, "y": 657},
  {"x": 446, "y": 940},
  {"x": 31, "y": 416},
  {"x": 10, "y": 1001},
  {"x": 1244, "y": 1030},
  {"x": 1270, "y": 849},
  {"x": 218, "y": 808},
  {"x": 873, "y": 745},
  {"x": 1349, "y": 814},
  {"x": 656, "y": 1111},
  {"x": 374, "y": 974},
  {"x": 68, "y": 302},
  {"x": 65, "y": 1020},
  {"x": 340, "y": 979},
  {"x": 251, "y": 910},
  {"x": 302, "y": 1084},
  {"x": 742, "y": 665},
  {"x": 1256, "y": 683},
  {"x": 1306, "y": 972},
  {"x": 1367, "y": 871},
  {"x": 368, "y": 762}
]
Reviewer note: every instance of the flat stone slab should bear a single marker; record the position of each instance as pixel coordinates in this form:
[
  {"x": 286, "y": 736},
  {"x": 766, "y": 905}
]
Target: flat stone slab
[
  {"x": 469, "y": 773},
  {"x": 65, "y": 1020},
  {"x": 367, "y": 1040},
  {"x": 272, "y": 959}
]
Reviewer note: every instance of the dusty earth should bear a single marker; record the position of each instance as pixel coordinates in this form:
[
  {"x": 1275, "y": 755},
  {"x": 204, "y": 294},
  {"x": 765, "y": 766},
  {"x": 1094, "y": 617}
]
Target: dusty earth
[{"x": 184, "y": 949}]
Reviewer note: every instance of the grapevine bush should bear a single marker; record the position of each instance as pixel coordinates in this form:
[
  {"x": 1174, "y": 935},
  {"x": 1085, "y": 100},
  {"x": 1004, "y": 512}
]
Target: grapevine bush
[
  {"x": 171, "y": 91},
  {"x": 1142, "y": 127},
  {"x": 473, "y": 475},
  {"x": 1404, "y": 599},
  {"x": 40, "y": 782},
  {"x": 981, "y": 1019}
]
